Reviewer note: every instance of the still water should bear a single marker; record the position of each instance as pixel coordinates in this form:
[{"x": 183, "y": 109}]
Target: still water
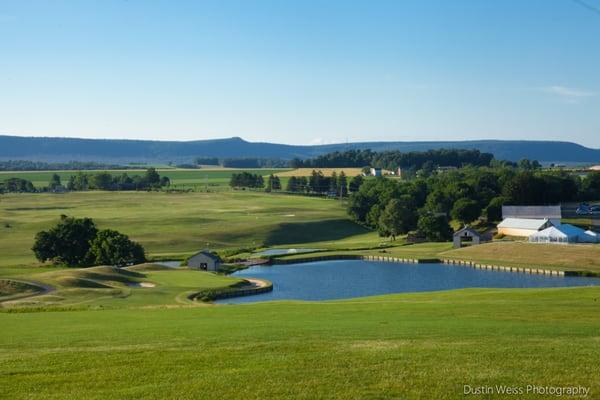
[{"x": 325, "y": 280}]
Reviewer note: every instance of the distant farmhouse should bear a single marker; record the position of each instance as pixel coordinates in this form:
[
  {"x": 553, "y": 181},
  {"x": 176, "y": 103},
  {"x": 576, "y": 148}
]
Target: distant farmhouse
[
  {"x": 375, "y": 171},
  {"x": 204, "y": 261}
]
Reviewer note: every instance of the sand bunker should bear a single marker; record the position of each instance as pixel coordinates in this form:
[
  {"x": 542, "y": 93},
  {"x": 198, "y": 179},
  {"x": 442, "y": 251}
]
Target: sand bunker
[{"x": 142, "y": 284}]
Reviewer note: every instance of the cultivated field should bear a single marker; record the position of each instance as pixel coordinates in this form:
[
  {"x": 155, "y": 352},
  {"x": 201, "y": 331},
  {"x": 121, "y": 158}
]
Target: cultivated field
[{"x": 326, "y": 171}]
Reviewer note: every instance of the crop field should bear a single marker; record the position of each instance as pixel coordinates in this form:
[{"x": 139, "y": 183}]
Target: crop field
[
  {"x": 199, "y": 178},
  {"x": 326, "y": 171}
]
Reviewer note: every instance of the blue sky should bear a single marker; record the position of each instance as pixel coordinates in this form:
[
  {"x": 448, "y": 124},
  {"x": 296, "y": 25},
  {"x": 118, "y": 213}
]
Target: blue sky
[{"x": 303, "y": 71}]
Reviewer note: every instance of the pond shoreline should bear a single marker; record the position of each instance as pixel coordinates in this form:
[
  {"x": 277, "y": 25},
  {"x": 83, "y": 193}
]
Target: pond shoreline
[{"x": 463, "y": 263}]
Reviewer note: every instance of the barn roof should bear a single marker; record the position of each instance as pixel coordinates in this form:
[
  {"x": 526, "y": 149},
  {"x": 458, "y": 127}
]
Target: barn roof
[
  {"x": 523, "y": 223},
  {"x": 208, "y": 254},
  {"x": 469, "y": 230},
  {"x": 532, "y": 212}
]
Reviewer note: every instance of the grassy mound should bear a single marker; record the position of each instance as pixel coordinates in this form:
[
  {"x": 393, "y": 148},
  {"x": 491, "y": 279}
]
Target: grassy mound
[{"x": 10, "y": 288}]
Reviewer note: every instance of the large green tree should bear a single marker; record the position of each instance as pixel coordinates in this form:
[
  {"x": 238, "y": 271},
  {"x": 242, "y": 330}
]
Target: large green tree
[
  {"x": 113, "y": 248},
  {"x": 66, "y": 243},
  {"x": 465, "y": 210},
  {"x": 435, "y": 227},
  {"x": 397, "y": 218}
]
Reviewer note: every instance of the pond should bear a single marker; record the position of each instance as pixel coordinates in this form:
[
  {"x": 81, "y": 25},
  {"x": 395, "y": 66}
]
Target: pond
[{"x": 326, "y": 280}]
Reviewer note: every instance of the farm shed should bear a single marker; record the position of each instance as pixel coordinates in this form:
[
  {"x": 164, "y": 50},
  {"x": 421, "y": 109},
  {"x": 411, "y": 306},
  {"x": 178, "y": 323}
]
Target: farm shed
[
  {"x": 205, "y": 261},
  {"x": 467, "y": 235},
  {"x": 523, "y": 227}
]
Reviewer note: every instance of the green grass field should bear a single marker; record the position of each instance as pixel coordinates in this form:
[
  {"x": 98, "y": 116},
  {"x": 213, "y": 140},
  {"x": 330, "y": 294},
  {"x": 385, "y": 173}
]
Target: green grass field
[
  {"x": 412, "y": 346},
  {"x": 179, "y": 224},
  {"x": 199, "y": 178},
  {"x": 99, "y": 334}
]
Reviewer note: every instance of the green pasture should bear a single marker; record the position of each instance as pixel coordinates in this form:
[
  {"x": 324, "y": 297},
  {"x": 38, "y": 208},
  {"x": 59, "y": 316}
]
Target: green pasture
[{"x": 179, "y": 177}]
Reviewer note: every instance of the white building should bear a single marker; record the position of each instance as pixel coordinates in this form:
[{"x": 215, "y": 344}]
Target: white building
[
  {"x": 522, "y": 227},
  {"x": 564, "y": 234},
  {"x": 375, "y": 171},
  {"x": 552, "y": 213}
]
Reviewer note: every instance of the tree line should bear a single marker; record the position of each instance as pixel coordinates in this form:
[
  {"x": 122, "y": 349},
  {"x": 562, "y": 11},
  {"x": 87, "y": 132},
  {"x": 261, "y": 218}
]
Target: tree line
[
  {"x": 90, "y": 181},
  {"x": 25, "y": 165},
  {"x": 392, "y": 160},
  {"x": 425, "y": 205}
]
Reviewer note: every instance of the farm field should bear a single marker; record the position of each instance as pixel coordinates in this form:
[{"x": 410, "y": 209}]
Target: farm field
[
  {"x": 177, "y": 224},
  {"x": 211, "y": 177},
  {"x": 326, "y": 171},
  {"x": 394, "y": 346}
]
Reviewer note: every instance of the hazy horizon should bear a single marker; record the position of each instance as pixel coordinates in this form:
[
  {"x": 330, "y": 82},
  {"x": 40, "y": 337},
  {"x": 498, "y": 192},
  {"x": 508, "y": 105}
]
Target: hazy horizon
[{"x": 302, "y": 73}]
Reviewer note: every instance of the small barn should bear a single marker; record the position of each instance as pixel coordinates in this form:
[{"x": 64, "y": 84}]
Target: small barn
[
  {"x": 522, "y": 227},
  {"x": 466, "y": 236},
  {"x": 204, "y": 261}
]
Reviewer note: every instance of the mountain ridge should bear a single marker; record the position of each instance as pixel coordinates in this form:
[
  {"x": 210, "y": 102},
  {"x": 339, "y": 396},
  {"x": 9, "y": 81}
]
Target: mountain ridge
[{"x": 62, "y": 149}]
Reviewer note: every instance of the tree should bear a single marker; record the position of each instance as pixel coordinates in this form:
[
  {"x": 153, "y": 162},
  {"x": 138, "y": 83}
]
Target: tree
[
  {"x": 113, "y": 248},
  {"x": 342, "y": 185},
  {"x": 435, "y": 227},
  {"x": 152, "y": 177},
  {"x": 493, "y": 211},
  {"x": 102, "y": 181},
  {"x": 355, "y": 183},
  {"x": 68, "y": 242},
  {"x": 397, "y": 218},
  {"x": 465, "y": 210},
  {"x": 54, "y": 182}
]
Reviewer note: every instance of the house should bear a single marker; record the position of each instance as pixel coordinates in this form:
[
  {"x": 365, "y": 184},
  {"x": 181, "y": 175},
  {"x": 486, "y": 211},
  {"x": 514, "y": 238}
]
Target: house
[
  {"x": 375, "y": 171},
  {"x": 205, "y": 261},
  {"x": 524, "y": 227},
  {"x": 468, "y": 235},
  {"x": 552, "y": 213}
]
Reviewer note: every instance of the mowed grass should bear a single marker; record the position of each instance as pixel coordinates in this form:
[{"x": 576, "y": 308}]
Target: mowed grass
[
  {"x": 175, "y": 224},
  {"x": 410, "y": 346},
  {"x": 179, "y": 177},
  {"x": 101, "y": 287}
]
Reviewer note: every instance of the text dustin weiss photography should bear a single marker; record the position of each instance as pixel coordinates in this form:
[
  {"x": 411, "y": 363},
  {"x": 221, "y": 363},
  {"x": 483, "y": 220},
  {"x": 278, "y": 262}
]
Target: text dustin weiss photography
[{"x": 542, "y": 390}]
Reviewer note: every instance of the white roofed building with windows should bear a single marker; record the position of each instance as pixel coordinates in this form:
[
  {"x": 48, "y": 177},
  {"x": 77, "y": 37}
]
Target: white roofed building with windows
[{"x": 522, "y": 227}]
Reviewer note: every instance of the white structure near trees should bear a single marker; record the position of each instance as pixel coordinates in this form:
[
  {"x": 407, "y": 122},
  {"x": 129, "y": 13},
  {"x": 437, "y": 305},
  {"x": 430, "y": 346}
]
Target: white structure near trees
[
  {"x": 564, "y": 234},
  {"x": 522, "y": 227}
]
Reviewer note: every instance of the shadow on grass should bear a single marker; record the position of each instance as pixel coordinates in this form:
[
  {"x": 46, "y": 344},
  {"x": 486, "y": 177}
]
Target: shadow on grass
[{"x": 315, "y": 231}]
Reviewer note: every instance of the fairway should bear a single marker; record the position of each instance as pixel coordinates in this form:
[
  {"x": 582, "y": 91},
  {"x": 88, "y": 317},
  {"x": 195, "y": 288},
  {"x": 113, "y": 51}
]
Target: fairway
[
  {"x": 177, "y": 224},
  {"x": 396, "y": 346}
]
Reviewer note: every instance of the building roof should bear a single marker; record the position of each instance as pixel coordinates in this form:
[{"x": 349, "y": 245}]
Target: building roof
[
  {"x": 208, "y": 254},
  {"x": 523, "y": 223},
  {"x": 469, "y": 230},
  {"x": 532, "y": 212}
]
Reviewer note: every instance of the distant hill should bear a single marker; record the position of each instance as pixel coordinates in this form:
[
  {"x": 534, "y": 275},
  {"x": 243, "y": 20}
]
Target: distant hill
[{"x": 126, "y": 151}]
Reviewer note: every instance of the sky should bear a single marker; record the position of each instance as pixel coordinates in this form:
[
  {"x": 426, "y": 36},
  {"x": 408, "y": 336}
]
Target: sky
[{"x": 302, "y": 72}]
